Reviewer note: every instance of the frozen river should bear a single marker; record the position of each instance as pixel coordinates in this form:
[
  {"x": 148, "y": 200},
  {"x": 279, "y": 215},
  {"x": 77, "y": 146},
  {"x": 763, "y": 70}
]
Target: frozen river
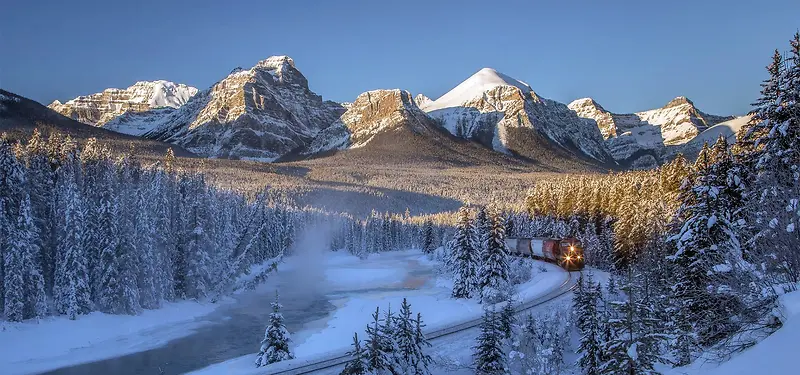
[{"x": 311, "y": 289}]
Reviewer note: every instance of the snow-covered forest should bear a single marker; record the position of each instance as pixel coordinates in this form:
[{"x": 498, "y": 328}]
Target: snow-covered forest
[
  {"x": 694, "y": 254},
  {"x": 84, "y": 230},
  {"x": 700, "y": 251}
]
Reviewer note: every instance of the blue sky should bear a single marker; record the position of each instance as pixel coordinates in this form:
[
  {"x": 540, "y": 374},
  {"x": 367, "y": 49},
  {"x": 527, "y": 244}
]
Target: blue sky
[{"x": 628, "y": 55}]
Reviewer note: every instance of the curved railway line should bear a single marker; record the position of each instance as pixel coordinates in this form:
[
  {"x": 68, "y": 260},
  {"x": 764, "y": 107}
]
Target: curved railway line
[{"x": 341, "y": 358}]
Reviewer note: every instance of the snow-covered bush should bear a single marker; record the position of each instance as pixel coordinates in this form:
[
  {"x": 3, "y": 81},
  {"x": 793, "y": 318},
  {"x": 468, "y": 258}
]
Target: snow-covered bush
[{"x": 520, "y": 270}]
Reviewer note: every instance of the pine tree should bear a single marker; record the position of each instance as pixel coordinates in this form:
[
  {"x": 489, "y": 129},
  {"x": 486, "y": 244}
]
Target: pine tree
[
  {"x": 275, "y": 345},
  {"x": 507, "y": 318},
  {"x": 493, "y": 274},
  {"x": 71, "y": 286},
  {"x": 41, "y": 178},
  {"x": 387, "y": 330},
  {"x": 378, "y": 359},
  {"x": 633, "y": 347},
  {"x": 489, "y": 356},
  {"x": 464, "y": 257},
  {"x": 27, "y": 241},
  {"x": 358, "y": 364},
  {"x": 13, "y": 280},
  {"x": 409, "y": 356},
  {"x": 706, "y": 245},
  {"x": 427, "y": 237},
  {"x": 150, "y": 295},
  {"x": 482, "y": 227},
  {"x": 589, "y": 327},
  {"x": 423, "y": 361}
]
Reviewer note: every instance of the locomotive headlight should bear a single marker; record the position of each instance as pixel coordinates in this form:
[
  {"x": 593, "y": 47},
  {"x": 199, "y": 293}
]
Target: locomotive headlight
[
  {"x": 568, "y": 258},
  {"x": 572, "y": 248}
]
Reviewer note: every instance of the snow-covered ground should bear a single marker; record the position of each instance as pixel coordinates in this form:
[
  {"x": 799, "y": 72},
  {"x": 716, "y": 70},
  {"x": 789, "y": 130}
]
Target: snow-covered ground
[
  {"x": 382, "y": 280},
  {"x": 55, "y": 342},
  {"x": 775, "y": 355}
]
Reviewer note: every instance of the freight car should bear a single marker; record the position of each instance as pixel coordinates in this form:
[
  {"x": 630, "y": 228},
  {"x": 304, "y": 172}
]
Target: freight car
[{"x": 565, "y": 252}]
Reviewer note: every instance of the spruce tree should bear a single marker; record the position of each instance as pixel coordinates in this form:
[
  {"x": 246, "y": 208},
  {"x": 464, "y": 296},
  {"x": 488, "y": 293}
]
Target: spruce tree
[
  {"x": 378, "y": 359},
  {"x": 482, "y": 227},
  {"x": 507, "y": 318},
  {"x": 72, "y": 285},
  {"x": 410, "y": 357},
  {"x": 423, "y": 360},
  {"x": 275, "y": 345},
  {"x": 493, "y": 274},
  {"x": 427, "y": 237},
  {"x": 633, "y": 346},
  {"x": 464, "y": 256},
  {"x": 358, "y": 363},
  {"x": 589, "y": 327},
  {"x": 489, "y": 356}
]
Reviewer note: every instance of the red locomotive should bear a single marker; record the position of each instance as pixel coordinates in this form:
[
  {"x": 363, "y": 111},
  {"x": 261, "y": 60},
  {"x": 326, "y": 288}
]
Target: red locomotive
[{"x": 565, "y": 252}]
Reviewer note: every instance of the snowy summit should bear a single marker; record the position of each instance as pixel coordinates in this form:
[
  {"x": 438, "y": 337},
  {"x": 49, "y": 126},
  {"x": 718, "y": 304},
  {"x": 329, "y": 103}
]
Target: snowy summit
[{"x": 480, "y": 82}]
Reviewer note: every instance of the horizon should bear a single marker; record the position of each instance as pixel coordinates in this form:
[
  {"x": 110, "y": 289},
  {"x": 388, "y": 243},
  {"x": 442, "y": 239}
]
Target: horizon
[{"x": 564, "y": 52}]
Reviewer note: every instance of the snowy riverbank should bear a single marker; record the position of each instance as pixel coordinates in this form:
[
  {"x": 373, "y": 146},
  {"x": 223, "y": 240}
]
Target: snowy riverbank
[
  {"x": 54, "y": 342},
  {"x": 407, "y": 270}
]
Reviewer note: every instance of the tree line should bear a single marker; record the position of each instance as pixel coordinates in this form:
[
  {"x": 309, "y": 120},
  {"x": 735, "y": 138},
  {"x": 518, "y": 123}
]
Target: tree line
[{"x": 82, "y": 229}]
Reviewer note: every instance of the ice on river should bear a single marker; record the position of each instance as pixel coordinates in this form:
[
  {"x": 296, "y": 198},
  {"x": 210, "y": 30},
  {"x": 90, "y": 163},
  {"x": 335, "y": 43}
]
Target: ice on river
[{"x": 357, "y": 287}]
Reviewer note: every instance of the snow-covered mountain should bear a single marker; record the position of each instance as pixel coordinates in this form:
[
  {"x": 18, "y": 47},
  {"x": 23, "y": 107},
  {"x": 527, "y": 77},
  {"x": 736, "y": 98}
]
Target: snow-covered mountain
[
  {"x": 506, "y": 115},
  {"x": 372, "y": 113},
  {"x": 261, "y": 113},
  {"x": 643, "y": 139},
  {"x": 727, "y": 129},
  {"x": 422, "y": 100},
  {"x": 100, "y": 108}
]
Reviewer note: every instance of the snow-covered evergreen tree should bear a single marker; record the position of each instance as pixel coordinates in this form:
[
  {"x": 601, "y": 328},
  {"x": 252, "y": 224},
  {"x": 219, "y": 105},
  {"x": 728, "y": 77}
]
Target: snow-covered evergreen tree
[
  {"x": 507, "y": 318},
  {"x": 633, "y": 346},
  {"x": 707, "y": 244},
  {"x": 423, "y": 360},
  {"x": 409, "y": 357},
  {"x": 489, "y": 356},
  {"x": 358, "y": 363},
  {"x": 464, "y": 256},
  {"x": 71, "y": 286},
  {"x": 589, "y": 326},
  {"x": 482, "y": 226},
  {"x": 493, "y": 273},
  {"x": 275, "y": 345},
  {"x": 378, "y": 359},
  {"x": 427, "y": 237}
]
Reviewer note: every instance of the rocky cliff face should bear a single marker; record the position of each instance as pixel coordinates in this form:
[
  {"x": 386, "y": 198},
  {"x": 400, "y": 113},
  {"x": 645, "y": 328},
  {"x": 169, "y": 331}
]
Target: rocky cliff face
[
  {"x": 262, "y": 113},
  {"x": 100, "y": 108},
  {"x": 508, "y": 116},
  {"x": 644, "y": 139},
  {"x": 372, "y": 113}
]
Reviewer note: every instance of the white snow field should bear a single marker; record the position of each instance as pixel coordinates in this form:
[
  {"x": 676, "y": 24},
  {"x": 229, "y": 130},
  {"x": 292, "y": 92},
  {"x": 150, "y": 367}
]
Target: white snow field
[
  {"x": 31, "y": 347},
  {"x": 358, "y": 286}
]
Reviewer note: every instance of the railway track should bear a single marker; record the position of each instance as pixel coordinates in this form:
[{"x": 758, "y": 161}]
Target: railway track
[{"x": 342, "y": 358}]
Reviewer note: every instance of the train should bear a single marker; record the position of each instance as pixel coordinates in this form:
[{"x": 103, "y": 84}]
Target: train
[{"x": 565, "y": 252}]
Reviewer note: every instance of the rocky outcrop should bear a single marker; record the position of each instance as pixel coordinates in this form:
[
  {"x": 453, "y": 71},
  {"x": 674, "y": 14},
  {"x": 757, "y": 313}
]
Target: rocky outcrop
[
  {"x": 262, "y": 113},
  {"x": 508, "y": 116},
  {"x": 422, "y": 100},
  {"x": 651, "y": 136},
  {"x": 372, "y": 113},
  {"x": 100, "y": 108}
]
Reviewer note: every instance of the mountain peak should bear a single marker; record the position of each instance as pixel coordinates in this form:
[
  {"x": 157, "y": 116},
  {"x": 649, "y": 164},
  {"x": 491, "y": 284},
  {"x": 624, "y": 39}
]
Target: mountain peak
[
  {"x": 681, "y": 100},
  {"x": 99, "y": 108},
  {"x": 585, "y": 103},
  {"x": 483, "y": 80},
  {"x": 275, "y": 62}
]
